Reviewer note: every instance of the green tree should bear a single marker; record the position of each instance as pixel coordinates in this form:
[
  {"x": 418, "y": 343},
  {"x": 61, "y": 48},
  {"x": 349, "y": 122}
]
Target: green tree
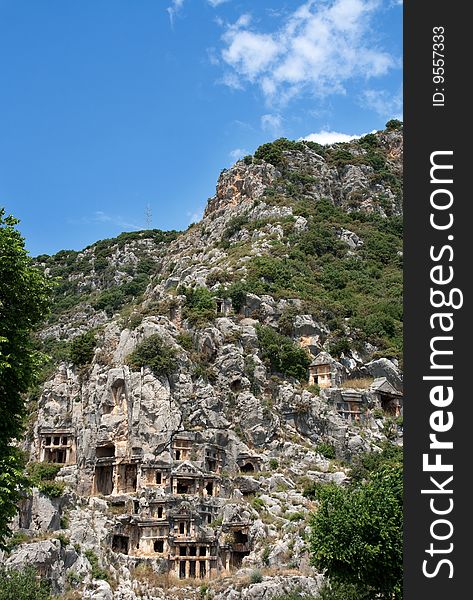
[
  {"x": 24, "y": 301},
  {"x": 42, "y": 476},
  {"x": 367, "y": 463},
  {"x": 155, "y": 354},
  {"x": 283, "y": 355},
  {"x": 393, "y": 124},
  {"x": 83, "y": 348},
  {"x": 200, "y": 306},
  {"x": 357, "y": 534}
]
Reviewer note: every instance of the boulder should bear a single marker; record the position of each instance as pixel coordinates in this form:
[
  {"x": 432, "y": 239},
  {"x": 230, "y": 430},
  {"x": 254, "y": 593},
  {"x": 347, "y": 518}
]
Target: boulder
[{"x": 383, "y": 367}]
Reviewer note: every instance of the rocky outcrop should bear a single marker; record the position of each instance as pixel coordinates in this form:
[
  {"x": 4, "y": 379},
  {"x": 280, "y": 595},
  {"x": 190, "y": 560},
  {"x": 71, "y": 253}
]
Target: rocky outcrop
[
  {"x": 196, "y": 472},
  {"x": 240, "y": 185}
]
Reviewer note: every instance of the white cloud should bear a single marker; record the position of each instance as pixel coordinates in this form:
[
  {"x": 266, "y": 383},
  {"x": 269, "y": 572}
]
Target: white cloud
[
  {"x": 249, "y": 53},
  {"x": 383, "y": 102},
  {"x": 330, "y": 137},
  {"x": 174, "y": 9},
  {"x": 319, "y": 48},
  {"x": 215, "y": 3},
  {"x": 272, "y": 123},
  {"x": 232, "y": 81},
  {"x": 238, "y": 153}
]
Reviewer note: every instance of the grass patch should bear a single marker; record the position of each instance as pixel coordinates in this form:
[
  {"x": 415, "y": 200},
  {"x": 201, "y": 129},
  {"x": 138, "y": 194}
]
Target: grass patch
[{"x": 361, "y": 383}]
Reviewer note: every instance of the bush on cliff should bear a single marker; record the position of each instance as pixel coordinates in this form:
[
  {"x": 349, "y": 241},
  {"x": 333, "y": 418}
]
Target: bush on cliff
[
  {"x": 200, "y": 307},
  {"x": 283, "y": 355},
  {"x": 82, "y": 349},
  {"x": 155, "y": 354},
  {"x": 22, "y": 585}
]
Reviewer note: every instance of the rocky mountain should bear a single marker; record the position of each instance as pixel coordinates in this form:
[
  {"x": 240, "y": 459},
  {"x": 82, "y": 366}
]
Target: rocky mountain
[{"x": 199, "y": 381}]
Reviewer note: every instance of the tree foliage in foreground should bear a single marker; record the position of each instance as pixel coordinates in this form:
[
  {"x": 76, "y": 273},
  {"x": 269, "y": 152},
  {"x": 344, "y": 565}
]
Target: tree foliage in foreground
[
  {"x": 24, "y": 301},
  {"x": 357, "y": 533}
]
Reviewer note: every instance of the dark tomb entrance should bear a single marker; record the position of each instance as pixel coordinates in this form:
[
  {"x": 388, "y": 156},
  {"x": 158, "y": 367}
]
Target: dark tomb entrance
[
  {"x": 104, "y": 479},
  {"x": 120, "y": 544}
]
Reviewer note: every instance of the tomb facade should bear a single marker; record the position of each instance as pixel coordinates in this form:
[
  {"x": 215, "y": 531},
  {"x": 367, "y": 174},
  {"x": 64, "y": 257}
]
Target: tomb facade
[
  {"x": 325, "y": 371},
  {"x": 57, "y": 446}
]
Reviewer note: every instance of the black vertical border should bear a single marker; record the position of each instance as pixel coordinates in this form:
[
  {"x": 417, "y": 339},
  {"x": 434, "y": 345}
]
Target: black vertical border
[{"x": 429, "y": 128}]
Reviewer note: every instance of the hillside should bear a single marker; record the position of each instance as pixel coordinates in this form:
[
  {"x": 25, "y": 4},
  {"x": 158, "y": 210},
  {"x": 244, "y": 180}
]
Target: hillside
[{"x": 199, "y": 381}]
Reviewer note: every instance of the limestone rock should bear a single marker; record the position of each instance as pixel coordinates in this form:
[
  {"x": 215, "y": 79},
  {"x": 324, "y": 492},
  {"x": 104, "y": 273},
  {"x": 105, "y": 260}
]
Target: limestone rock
[
  {"x": 163, "y": 469},
  {"x": 383, "y": 367},
  {"x": 239, "y": 184}
]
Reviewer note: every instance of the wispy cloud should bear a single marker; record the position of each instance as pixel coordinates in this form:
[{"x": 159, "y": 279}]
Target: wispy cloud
[
  {"x": 318, "y": 48},
  {"x": 194, "y": 216},
  {"x": 213, "y": 57},
  {"x": 330, "y": 137},
  {"x": 382, "y": 102},
  {"x": 215, "y": 3},
  {"x": 238, "y": 153},
  {"x": 176, "y": 6},
  {"x": 99, "y": 217},
  {"x": 272, "y": 124},
  {"x": 174, "y": 9},
  {"x": 243, "y": 125}
]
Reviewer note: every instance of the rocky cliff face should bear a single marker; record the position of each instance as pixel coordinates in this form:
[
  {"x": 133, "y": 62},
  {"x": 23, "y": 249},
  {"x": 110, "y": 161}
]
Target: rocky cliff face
[{"x": 231, "y": 365}]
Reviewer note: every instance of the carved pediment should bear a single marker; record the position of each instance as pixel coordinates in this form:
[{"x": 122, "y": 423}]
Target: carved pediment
[
  {"x": 382, "y": 385},
  {"x": 187, "y": 468},
  {"x": 183, "y": 510}
]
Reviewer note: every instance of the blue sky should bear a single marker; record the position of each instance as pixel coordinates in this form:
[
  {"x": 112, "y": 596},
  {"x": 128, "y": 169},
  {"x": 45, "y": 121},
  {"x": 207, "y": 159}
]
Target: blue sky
[{"x": 110, "y": 106}]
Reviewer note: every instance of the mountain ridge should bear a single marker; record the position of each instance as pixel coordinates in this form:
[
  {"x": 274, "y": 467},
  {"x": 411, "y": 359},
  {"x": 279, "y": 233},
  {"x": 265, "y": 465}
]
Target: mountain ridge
[{"x": 200, "y": 381}]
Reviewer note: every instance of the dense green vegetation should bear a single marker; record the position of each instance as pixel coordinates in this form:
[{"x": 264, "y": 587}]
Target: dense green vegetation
[
  {"x": 97, "y": 571},
  {"x": 338, "y": 156},
  {"x": 200, "y": 307},
  {"x": 393, "y": 124},
  {"x": 82, "y": 348},
  {"x": 325, "y": 449},
  {"x": 273, "y": 152},
  {"x": 330, "y": 590},
  {"x": 42, "y": 476},
  {"x": 24, "y": 302},
  {"x": 22, "y": 585},
  {"x": 111, "y": 300},
  {"x": 97, "y": 260},
  {"x": 361, "y": 290},
  {"x": 366, "y": 464},
  {"x": 357, "y": 531},
  {"x": 295, "y": 595},
  {"x": 155, "y": 354},
  {"x": 336, "y": 590},
  {"x": 282, "y": 354}
]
